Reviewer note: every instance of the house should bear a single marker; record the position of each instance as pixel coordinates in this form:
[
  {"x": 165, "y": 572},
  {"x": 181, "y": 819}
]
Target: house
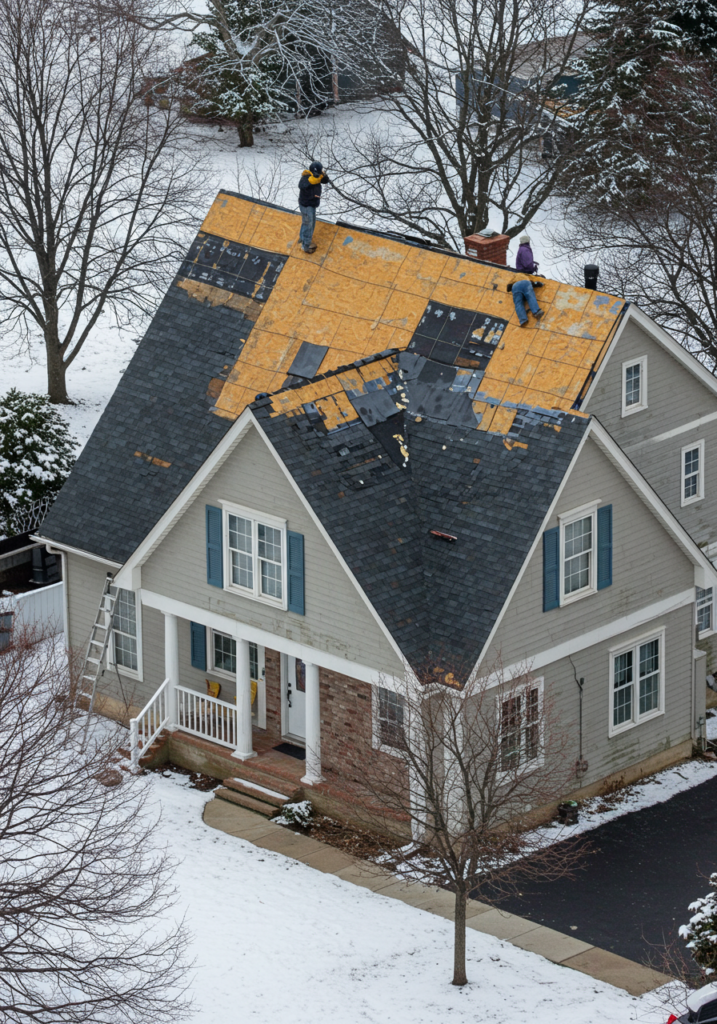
[{"x": 321, "y": 471}]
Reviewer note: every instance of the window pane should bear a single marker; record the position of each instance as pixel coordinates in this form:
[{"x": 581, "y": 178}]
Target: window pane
[
  {"x": 271, "y": 579},
  {"x": 390, "y": 717},
  {"x": 254, "y": 661},
  {"x": 692, "y": 473},
  {"x": 269, "y": 543},
  {"x": 622, "y": 697},
  {"x": 125, "y": 617},
  {"x": 225, "y": 653},
  {"x": 240, "y": 534},
  {"x": 578, "y": 549},
  {"x": 649, "y": 676},
  {"x": 632, "y": 385},
  {"x": 532, "y": 728},
  {"x": 242, "y": 570},
  {"x": 510, "y": 733},
  {"x": 704, "y": 609},
  {"x": 126, "y": 651}
]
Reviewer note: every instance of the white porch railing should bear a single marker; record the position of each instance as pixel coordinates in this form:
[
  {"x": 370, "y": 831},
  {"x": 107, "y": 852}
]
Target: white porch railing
[
  {"x": 146, "y": 727},
  {"x": 197, "y": 713},
  {"x": 205, "y": 716}
]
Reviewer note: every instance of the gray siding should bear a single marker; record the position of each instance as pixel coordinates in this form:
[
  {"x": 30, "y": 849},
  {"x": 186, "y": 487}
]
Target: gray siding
[
  {"x": 647, "y": 564},
  {"x": 336, "y": 621},
  {"x": 675, "y": 397},
  {"x": 606, "y": 755}
]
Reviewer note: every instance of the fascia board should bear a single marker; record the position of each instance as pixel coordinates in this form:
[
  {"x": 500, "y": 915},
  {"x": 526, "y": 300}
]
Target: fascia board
[
  {"x": 327, "y": 537},
  {"x": 665, "y": 340},
  {"x": 533, "y": 546},
  {"x": 180, "y": 504},
  {"x": 75, "y": 551},
  {"x": 640, "y": 485}
]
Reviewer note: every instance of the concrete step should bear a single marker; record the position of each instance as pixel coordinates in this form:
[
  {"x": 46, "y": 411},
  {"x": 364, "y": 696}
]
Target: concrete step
[
  {"x": 243, "y": 800},
  {"x": 290, "y": 789},
  {"x": 241, "y": 786}
]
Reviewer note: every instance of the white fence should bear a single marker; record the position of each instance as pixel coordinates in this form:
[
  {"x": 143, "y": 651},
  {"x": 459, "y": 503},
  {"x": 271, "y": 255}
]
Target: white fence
[{"x": 42, "y": 609}]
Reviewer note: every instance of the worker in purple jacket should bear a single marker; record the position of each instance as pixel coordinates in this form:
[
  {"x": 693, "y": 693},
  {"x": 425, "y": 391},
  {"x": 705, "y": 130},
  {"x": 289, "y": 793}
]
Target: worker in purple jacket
[{"x": 524, "y": 260}]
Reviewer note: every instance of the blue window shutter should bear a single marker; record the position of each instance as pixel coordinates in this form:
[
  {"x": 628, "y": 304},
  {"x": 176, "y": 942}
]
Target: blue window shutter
[
  {"x": 604, "y": 547},
  {"x": 199, "y": 645},
  {"x": 215, "y": 562},
  {"x": 295, "y": 546},
  {"x": 551, "y": 569}
]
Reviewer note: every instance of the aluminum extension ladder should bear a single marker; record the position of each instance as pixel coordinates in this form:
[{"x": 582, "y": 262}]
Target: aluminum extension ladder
[{"x": 97, "y": 649}]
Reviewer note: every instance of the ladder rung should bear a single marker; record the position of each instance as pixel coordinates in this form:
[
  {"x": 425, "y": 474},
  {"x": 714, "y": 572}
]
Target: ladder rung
[{"x": 94, "y": 661}]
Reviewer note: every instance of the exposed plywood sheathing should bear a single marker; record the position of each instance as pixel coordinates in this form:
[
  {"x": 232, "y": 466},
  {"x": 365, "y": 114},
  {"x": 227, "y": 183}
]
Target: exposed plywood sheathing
[{"x": 359, "y": 295}]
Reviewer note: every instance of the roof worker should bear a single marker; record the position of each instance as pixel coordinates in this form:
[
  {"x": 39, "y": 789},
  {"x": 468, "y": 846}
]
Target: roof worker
[
  {"x": 523, "y": 292},
  {"x": 524, "y": 260},
  {"x": 310, "y": 184}
]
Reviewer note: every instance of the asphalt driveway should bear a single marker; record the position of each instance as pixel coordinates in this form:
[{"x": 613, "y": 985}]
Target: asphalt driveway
[{"x": 632, "y": 891}]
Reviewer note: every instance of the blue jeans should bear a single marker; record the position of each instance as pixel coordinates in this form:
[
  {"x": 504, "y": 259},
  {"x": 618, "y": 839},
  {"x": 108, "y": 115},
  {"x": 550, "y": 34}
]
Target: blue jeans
[
  {"x": 522, "y": 293},
  {"x": 308, "y": 223}
]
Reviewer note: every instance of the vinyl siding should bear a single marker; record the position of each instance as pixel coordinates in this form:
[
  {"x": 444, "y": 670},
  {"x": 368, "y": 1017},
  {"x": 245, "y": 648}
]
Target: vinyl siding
[
  {"x": 337, "y": 619},
  {"x": 648, "y": 567},
  {"x": 675, "y": 397}
]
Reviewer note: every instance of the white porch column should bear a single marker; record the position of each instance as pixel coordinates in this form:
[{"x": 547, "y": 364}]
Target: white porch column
[
  {"x": 313, "y": 727},
  {"x": 171, "y": 665},
  {"x": 245, "y": 743}
]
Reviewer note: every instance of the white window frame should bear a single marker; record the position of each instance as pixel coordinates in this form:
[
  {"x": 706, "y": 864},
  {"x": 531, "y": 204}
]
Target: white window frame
[
  {"x": 520, "y": 691},
  {"x": 634, "y": 646},
  {"x": 258, "y": 713},
  {"x": 583, "y": 512},
  {"x": 700, "y": 475},
  {"x": 628, "y": 410},
  {"x": 256, "y": 518},
  {"x": 702, "y": 602},
  {"x": 111, "y": 658},
  {"x": 376, "y": 742}
]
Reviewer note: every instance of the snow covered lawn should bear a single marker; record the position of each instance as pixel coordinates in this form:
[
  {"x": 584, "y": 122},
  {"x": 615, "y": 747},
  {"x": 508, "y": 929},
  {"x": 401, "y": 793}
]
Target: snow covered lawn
[{"x": 277, "y": 941}]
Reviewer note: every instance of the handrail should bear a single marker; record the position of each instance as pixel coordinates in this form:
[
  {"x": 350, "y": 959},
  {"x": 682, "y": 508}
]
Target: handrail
[
  {"x": 148, "y": 724},
  {"x": 206, "y": 716}
]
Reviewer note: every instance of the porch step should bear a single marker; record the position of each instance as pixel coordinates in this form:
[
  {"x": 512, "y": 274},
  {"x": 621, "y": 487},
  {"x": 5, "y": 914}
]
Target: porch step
[
  {"x": 248, "y": 773},
  {"x": 244, "y": 800},
  {"x": 266, "y": 794}
]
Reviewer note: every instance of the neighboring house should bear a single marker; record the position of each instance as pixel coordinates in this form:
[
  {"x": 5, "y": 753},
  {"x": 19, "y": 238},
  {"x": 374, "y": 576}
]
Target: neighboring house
[{"x": 319, "y": 471}]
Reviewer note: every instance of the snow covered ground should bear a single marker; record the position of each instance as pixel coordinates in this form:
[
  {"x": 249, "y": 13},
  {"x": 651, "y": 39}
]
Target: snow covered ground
[{"x": 278, "y": 941}]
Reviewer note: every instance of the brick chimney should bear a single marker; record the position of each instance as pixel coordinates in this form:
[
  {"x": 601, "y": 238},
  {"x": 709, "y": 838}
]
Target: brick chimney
[{"x": 492, "y": 249}]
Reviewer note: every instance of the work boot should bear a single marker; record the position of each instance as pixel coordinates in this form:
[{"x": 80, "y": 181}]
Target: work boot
[
  {"x": 310, "y": 248},
  {"x": 539, "y": 314}
]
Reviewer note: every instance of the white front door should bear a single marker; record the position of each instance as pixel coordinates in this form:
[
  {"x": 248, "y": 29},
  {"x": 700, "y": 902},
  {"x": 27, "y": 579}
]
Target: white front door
[{"x": 295, "y": 683}]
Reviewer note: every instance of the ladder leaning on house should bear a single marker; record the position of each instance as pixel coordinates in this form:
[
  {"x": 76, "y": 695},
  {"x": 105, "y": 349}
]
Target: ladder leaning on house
[{"x": 96, "y": 649}]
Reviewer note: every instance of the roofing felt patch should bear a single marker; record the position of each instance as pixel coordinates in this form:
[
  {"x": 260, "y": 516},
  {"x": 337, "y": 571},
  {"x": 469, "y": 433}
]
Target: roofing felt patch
[{"x": 360, "y": 294}]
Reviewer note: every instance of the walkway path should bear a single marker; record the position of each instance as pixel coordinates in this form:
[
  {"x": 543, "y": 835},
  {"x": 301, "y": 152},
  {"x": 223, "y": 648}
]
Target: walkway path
[{"x": 554, "y": 945}]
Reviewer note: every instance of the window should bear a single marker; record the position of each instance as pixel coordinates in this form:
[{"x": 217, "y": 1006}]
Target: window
[
  {"x": 693, "y": 459},
  {"x": 704, "y": 611},
  {"x": 224, "y": 657},
  {"x": 256, "y": 557},
  {"x": 520, "y": 728},
  {"x": 124, "y": 627},
  {"x": 390, "y": 718},
  {"x": 634, "y": 385},
  {"x": 578, "y": 561},
  {"x": 5, "y": 630},
  {"x": 636, "y": 681}
]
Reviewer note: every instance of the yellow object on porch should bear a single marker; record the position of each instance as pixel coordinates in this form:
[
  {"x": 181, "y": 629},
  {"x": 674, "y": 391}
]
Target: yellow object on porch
[{"x": 253, "y": 691}]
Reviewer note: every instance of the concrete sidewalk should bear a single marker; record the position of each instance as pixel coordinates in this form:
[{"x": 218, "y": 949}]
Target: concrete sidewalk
[{"x": 553, "y": 945}]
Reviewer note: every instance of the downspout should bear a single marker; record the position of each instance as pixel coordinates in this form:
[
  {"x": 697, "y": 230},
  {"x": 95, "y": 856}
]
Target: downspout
[
  {"x": 65, "y": 595},
  {"x": 581, "y": 765}
]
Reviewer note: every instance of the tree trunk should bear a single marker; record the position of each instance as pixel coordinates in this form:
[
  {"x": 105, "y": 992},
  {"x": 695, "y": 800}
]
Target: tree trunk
[
  {"x": 56, "y": 369},
  {"x": 246, "y": 133},
  {"x": 459, "y": 940}
]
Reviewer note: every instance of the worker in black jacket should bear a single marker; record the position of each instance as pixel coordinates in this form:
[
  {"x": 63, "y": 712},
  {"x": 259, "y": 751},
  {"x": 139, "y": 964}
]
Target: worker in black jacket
[{"x": 310, "y": 184}]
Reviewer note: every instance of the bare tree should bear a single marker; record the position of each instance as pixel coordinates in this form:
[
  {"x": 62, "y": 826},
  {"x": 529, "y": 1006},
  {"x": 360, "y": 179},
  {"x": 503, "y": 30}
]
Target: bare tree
[
  {"x": 471, "y": 767},
  {"x": 652, "y": 227},
  {"x": 83, "y": 889},
  {"x": 458, "y": 148},
  {"x": 96, "y": 196}
]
